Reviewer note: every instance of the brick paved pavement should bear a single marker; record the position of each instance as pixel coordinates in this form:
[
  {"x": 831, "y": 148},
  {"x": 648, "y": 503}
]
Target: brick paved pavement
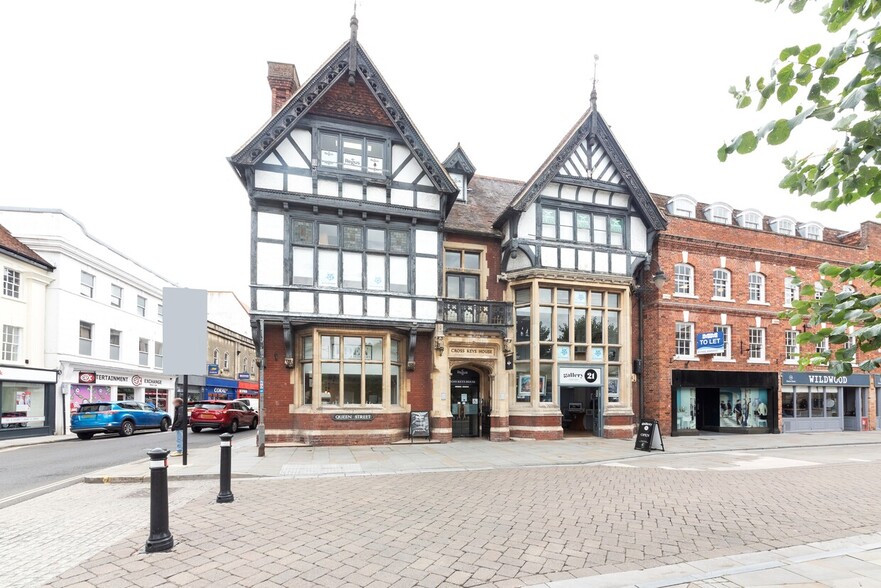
[{"x": 507, "y": 527}]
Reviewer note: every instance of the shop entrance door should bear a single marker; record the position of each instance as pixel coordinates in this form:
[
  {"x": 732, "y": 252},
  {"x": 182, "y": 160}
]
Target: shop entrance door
[
  {"x": 582, "y": 410},
  {"x": 465, "y": 404}
]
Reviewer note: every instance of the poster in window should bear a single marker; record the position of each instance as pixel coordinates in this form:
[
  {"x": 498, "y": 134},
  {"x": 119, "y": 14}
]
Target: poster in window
[
  {"x": 596, "y": 354},
  {"x": 743, "y": 407},
  {"x": 374, "y": 165},
  {"x": 685, "y": 407},
  {"x": 351, "y": 161},
  {"x": 580, "y": 298},
  {"x": 524, "y": 387},
  {"x": 613, "y": 390},
  {"x": 328, "y": 157},
  {"x": 563, "y": 352}
]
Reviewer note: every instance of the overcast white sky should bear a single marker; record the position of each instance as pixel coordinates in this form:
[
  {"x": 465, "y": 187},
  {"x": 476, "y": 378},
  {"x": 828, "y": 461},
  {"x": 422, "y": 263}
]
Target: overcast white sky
[{"x": 123, "y": 113}]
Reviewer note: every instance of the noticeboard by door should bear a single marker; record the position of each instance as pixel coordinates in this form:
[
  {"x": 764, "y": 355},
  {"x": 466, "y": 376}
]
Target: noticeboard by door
[
  {"x": 419, "y": 425},
  {"x": 648, "y": 436}
]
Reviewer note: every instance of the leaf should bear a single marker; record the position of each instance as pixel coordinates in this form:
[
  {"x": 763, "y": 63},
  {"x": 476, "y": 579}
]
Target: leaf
[
  {"x": 828, "y": 83},
  {"x": 789, "y": 52},
  {"x": 744, "y": 100},
  {"x": 863, "y": 130},
  {"x": 786, "y": 92},
  {"x": 780, "y": 133},
  {"x": 805, "y": 55},
  {"x": 785, "y": 75},
  {"x": 854, "y": 98},
  {"x": 843, "y": 123},
  {"x": 748, "y": 143},
  {"x": 722, "y": 153}
]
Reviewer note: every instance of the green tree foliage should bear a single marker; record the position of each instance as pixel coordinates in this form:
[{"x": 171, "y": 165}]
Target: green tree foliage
[{"x": 840, "y": 86}]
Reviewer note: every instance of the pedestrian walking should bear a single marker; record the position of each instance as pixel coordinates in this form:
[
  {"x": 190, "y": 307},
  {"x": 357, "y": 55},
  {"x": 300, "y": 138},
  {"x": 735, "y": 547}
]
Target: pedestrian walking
[{"x": 178, "y": 424}]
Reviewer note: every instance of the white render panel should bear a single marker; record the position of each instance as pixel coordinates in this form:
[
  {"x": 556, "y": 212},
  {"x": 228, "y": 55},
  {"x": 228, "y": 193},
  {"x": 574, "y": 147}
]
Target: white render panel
[
  {"x": 601, "y": 262},
  {"x": 620, "y": 200},
  {"x": 410, "y": 172},
  {"x": 399, "y": 155},
  {"x": 585, "y": 261},
  {"x": 375, "y": 194},
  {"x": 353, "y": 191},
  {"x": 602, "y": 197},
  {"x": 400, "y": 308},
  {"x": 526, "y": 225},
  {"x": 426, "y": 276},
  {"x": 287, "y": 152},
  {"x": 272, "y": 300},
  {"x": 328, "y": 303},
  {"x": 426, "y": 309},
  {"x": 619, "y": 263},
  {"x": 270, "y": 226},
  {"x": 427, "y": 200},
  {"x": 402, "y": 197},
  {"x": 552, "y": 190},
  {"x": 548, "y": 256},
  {"x": 328, "y": 188},
  {"x": 302, "y": 302},
  {"x": 270, "y": 264},
  {"x": 638, "y": 235},
  {"x": 568, "y": 192},
  {"x": 426, "y": 242},
  {"x": 303, "y": 139},
  {"x": 271, "y": 159},
  {"x": 375, "y": 306},
  {"x": 302, "y": 184},
  {"x": 567, "y": 258},
  {"x": 424, "y": 181},
  {"x": 353, "y": 305},
  {"x": 268, "y": 180}
]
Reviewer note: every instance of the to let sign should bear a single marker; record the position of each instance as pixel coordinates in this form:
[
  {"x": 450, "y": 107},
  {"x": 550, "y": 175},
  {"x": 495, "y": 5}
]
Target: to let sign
[{"x": 710, "y": 343}]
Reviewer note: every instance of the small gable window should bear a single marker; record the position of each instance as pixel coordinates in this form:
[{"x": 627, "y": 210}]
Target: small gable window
[
  {"x": 352, "y": 153},
  {"x": 750, "y": 219},
  {"x": 783, "y": 226},
  {"x": 811, "y": 231},
  {"x": 718, "y": 213},
  {"x": 682, "y": 205}
]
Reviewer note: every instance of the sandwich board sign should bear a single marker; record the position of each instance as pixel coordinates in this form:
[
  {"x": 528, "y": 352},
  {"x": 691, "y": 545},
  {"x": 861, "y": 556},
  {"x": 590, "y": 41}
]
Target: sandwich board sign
[{"x": 648, "y": 436}]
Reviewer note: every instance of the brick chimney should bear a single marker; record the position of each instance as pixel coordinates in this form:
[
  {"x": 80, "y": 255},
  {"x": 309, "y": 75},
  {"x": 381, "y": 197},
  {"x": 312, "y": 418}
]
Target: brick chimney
[{"x": 283, "y": 82}]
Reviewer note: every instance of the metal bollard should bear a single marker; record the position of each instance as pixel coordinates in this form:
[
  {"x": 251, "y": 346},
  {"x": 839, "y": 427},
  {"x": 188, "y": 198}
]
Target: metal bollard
[
  {"x": 160, "y": 538},
  {"x": 225, "y": 494}
]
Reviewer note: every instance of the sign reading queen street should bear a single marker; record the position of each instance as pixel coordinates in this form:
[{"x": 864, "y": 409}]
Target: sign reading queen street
[{"x": 710, "y": 343}]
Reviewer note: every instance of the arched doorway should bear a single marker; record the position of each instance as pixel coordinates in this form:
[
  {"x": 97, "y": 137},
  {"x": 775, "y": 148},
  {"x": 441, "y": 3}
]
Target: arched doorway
[{"x": 466, "y": 403}]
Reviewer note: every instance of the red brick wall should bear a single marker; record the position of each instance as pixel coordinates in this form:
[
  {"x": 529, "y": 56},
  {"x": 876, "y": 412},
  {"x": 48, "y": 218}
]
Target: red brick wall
[
  {"x": 355, "y": 103},
  {"x": 537, "y": 421},
  {"x": 419, "y": 396},
  {"x": 277, "y": 389},
  {"x": 495, "y": 289}
]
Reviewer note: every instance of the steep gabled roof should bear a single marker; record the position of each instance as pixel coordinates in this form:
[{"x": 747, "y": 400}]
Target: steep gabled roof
[
  {"x": 487, "y": 199},
  {"x": 349, "y": 60},
  {"x": 15, "y": 248},
  {"x": 458, "y": 161},
  {"x": 590, "y": 128}
]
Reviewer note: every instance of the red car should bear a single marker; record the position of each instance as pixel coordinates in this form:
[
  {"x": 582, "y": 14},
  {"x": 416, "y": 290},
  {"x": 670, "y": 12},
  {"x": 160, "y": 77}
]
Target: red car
[{"x": 227, "y": 415}]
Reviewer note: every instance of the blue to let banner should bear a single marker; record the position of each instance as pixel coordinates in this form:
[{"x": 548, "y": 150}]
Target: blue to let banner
[{"x": 710, "y": 343}]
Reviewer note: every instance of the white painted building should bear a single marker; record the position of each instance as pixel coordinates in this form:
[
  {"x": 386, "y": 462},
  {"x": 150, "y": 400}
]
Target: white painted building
[{"x": 103, "y": 314}]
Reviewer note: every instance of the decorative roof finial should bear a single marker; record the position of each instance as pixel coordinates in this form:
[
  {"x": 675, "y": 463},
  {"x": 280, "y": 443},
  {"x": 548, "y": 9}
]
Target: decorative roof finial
[
  {"x": 593, "y": 92},
  {"x": 353, "y": 44}
]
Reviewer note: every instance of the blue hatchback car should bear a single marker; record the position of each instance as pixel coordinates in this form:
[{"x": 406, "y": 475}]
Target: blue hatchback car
[{"x": 123, "y": 417}]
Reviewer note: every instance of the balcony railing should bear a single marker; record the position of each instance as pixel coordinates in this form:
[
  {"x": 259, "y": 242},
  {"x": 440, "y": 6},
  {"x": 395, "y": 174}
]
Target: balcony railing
[{"x": 477, "y": 312}]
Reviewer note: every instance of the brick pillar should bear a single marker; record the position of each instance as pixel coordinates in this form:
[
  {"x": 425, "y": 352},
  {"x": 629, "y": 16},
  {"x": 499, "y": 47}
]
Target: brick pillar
[{"x": 283, "y": 81}]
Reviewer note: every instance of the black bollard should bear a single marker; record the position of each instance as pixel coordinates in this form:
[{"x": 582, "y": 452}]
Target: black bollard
[
  {"x": 160, "y": 537},
  {"x": 225, "y": 468}
]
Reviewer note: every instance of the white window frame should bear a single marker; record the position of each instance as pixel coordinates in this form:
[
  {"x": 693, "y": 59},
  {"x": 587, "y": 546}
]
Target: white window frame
[
  {"x": 118, "y": 346},
  {"x": 791, "y": 291},
  {"x": 115, "y": 299},
  {"x": 143, "y": 352},
  {"x": 157, "y": 354},
  {"x": 684, "y": 343},
  {"x": 225, "y": 360},
  {"x": 819, "y": 290},
  {"x": 85, "y": 347},
  {"x": 756, "y": 283},
  {"x": 11, "y": 343},
  {"x": 721, "y": 276},
  {"x": 11, "y": 282},
  {"x": 725, "y": 354},
  {"x": 142, "y": 305},
  {"x": 87, "y": 284},
  {"x": 751, "y": 220},
  {"x": 757, "y": 344},
  {"x": 683, "y": 279},
  {"x": 791, "y": 348}
]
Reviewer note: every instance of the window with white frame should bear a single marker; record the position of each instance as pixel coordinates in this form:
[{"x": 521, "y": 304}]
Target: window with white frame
[
  {"x": 157, "y": 354},
  {"x": 246, "y": 365},
  {"x": 115, "y": 295},
  {"x": 115, "y": 338},
  {"x": 11, "y": 282},
  {"x": 790, "y": 291},
  {"x": 851, "y": 343},
  {"x": 87, "y": 284},
  {"x": 353, "y": 153},
  {"x": 718, "y": 214},
  {"x": 159, "y": 312},
  {"x": 684, "y": 339},
  {"x": 215, "y": 358},
  {"x": 725, "y": 332},
  {"x": 791, "y": 347},
  {"x": 819, "y": 290},
  {"x": 143, "y": 352},
  {"x": 683, "y": 279},
  {"x": 582, "y": 227},
  {"x": 822, "y": 346},
  {"x": 85, "y": 338},
  {"x": 721, "y": 283},
  {"x": 757, "y": 343},
  {"x": 373, "y": 258},
  {"x": 812, "y": 231},
  {"x": 751, "y": 220},
  {"x": 11, "y": 343},
  {"x": 142, "y": 306},
  {"x": 682, "y": 205},
  {"x": 756, "y": 287},
  {"x": 225, "y": 360},
  {"x": 783, "y": 226}
]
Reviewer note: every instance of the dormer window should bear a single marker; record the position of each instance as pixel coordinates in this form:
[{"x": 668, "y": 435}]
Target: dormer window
[
  {"x": 462, "y": 185},
  {"x": 811, "y": 231},
  {"x": 718, "y": 213},
  {"x": 750, "y": 219},
  {"x": 352, "y": 153},
  {"x": 682, "y": 205},
  {"x": 783, "y": 226}
]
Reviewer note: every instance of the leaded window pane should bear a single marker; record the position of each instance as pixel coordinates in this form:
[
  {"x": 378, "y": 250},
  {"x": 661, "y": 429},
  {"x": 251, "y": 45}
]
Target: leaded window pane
[
  {"x": 616, "y": 231},
  {"x": 353, "y": 238},
  {"x": 302, "y": 232},
  {"x": 399, "y": 241}
]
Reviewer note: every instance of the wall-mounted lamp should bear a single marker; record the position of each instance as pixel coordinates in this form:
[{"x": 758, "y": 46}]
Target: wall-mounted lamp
[{"x": 659, "y": 279}]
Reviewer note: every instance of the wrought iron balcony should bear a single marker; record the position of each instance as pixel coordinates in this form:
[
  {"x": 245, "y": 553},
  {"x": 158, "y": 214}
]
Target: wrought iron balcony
[{"x": 488, "y": 313}]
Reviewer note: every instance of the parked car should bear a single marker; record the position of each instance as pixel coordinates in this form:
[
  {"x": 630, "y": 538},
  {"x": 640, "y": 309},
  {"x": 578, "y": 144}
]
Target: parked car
[
  {"x": 124, "y": 417},
  {"x": 228, "y": 415}
]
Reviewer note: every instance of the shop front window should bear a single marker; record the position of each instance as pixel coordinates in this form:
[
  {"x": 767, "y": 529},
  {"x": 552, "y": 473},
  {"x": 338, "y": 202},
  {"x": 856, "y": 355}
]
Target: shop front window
[
  {"x": 353, "y": 370},
  {"x": 22, "y": 405}
]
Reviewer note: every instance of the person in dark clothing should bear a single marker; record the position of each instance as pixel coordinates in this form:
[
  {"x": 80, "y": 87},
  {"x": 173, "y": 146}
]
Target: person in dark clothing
[{"x": 178, "y": 424}]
